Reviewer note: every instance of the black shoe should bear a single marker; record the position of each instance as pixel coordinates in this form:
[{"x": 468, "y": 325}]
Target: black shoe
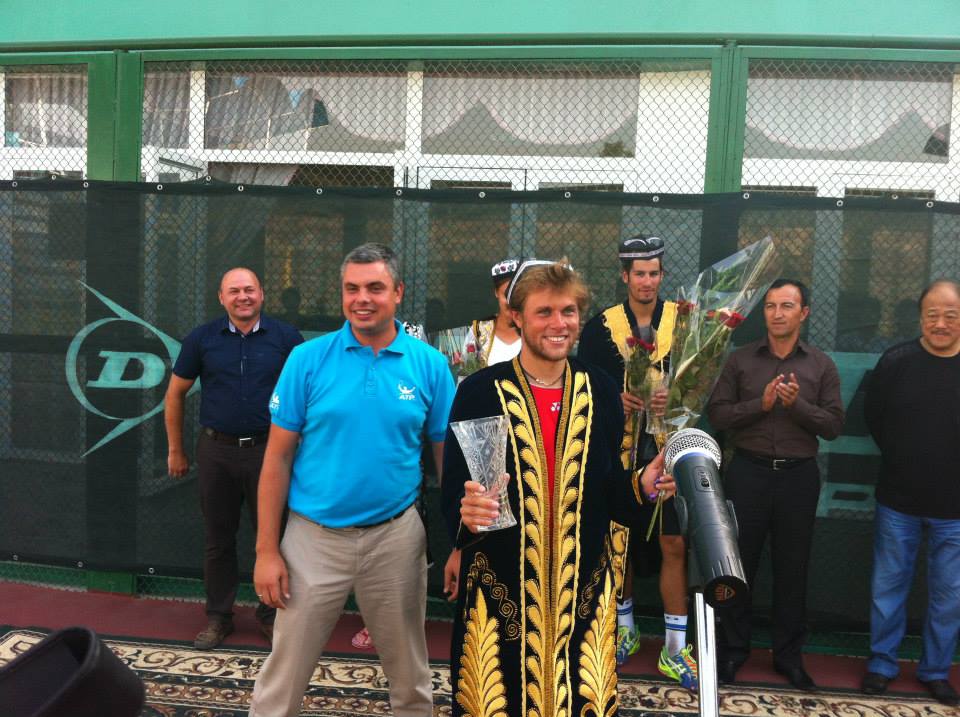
[
  {"x": 727, "y": 671},
  {"x": 942, "y": 691},
  {"x": 798, "y": 677},
  {"x": 874, "y": 683},
  {"x": 213, "y": 634}
]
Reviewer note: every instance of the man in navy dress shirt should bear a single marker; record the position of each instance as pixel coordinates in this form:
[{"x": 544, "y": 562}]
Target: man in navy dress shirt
[{"x": 237, "y": 358}]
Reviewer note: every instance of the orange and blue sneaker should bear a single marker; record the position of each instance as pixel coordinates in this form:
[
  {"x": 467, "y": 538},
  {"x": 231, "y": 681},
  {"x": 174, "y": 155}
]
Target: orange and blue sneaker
[
  {"x": 681, "y": 667},
  {"x": 628, "y": 642}
]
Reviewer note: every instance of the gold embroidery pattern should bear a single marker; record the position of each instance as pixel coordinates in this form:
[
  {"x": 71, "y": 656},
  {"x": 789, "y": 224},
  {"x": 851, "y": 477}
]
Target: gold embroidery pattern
[
  {"x": 589, "y": 590},
  {"x": 619, "y": 540},
  {"x": 529, "y": 467},
  {"x": 480, "y": 572},
  {"x": 598, "y": 661},
  {"x": 483, "y": 332},
  {"x": 480, "y": 689},
  {"x": 567, "y": 530}
]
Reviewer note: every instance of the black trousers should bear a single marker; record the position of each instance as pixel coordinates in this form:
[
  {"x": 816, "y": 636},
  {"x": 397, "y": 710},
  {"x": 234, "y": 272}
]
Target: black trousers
[
  {"x": 228, "y": 477},
  {"x": 783, "y": 504}
]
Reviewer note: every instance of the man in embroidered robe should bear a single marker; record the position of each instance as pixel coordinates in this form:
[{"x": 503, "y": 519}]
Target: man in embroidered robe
[
  {"x": 645, "y": 316},
  {"x": 534, "y": 628}
]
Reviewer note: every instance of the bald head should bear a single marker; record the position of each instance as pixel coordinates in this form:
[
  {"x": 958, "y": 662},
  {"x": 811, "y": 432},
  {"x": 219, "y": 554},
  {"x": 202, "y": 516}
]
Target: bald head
[
  {"x": 242, "y": 297},
  {"x": 249, "y": 275}
]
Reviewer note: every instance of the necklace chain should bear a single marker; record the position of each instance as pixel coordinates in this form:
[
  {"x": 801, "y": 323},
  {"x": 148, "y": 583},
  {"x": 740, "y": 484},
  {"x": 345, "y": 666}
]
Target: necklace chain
[{"x": 540, "y": 381}]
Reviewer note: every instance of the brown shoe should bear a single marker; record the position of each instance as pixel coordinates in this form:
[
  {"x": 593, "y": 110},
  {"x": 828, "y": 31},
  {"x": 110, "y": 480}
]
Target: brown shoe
[
  {"x": 214, "y": 633},
  {"x": 266, "y": 629}
]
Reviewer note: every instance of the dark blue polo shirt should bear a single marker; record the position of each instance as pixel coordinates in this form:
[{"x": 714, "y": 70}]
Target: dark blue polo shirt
[{"x": 237, "y": 373}]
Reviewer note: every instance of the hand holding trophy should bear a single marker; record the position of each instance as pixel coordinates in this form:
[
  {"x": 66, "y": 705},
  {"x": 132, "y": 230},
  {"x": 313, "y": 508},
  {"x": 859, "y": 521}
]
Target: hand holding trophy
[{"x": 484, "y": 506}]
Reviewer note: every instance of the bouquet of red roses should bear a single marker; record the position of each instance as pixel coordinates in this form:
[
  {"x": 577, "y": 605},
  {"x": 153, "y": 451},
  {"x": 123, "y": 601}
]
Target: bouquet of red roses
[
  {"x": 707, "y": 314},
  {"x": 460, "y": 348}
]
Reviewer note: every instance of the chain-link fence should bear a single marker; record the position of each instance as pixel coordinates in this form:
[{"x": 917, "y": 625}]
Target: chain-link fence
[
  {"x": 838, "y": 127},
  {"x": 523, "y": 125},
  {"x": 84, "y": 479},
  {"x": 44, "y": 121}
]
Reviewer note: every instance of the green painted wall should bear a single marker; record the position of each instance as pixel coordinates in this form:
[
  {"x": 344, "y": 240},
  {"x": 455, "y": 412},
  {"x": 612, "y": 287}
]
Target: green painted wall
[{"x": 126, "y": 24}]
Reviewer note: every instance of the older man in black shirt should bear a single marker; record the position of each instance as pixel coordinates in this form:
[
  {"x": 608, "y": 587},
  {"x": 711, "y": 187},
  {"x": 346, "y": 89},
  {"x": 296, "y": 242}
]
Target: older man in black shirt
[
  {"x": 775, "y": 397},
  {"x": 911, "y": 409}
]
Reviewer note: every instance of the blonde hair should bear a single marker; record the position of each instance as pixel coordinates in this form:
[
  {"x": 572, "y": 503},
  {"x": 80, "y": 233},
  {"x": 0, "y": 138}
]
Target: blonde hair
[{"x": 557, "y": 276}]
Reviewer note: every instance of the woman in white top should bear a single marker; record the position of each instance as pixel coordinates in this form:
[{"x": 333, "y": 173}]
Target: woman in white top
[{"x": 495, "y": 338}]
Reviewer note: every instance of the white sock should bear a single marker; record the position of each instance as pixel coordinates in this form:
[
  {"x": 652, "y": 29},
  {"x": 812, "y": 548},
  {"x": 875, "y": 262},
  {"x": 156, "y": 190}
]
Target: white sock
[
  {"x": 625, "y": 613},
  {"x": 676, "y": 632}
]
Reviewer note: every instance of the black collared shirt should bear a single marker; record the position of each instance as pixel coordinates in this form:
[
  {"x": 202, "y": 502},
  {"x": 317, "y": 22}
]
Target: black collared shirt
[
  {"x": 736, "y": 403},
  {"x": 237, "y": 372}
]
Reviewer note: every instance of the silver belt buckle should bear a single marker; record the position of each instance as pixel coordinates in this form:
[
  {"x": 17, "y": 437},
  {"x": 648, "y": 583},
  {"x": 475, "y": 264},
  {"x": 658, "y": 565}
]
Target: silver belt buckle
[
  {"x": 245, "y": 442},
  {"x": 776, "y": 461}
]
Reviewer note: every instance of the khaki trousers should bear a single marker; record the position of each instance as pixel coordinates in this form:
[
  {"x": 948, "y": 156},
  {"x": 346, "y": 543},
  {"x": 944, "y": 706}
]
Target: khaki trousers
[{"x": 385, "y": 566}]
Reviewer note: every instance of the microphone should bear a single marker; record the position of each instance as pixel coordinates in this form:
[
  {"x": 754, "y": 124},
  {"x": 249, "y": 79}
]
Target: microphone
[{"x": 693, "y": 458}]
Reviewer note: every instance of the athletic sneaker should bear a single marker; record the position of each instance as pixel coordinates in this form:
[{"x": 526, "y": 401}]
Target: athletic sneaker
[
  {"x": 628, "y": 642},
  {"x": 681, "y": 667}
]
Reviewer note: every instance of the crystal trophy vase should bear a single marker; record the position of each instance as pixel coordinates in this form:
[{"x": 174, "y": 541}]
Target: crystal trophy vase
[{"x": 484, "y": 445}]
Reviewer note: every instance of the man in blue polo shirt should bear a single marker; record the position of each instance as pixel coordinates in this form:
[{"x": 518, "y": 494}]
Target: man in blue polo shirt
[
  {"x": 237, "y": 358},
  {"x": 350, "y": 414}
]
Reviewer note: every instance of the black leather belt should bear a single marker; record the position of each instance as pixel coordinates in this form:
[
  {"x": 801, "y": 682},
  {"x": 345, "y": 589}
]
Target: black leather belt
[
  {"x": 771, "y": 463},
  {"x": 257, "y": 439},
  {"x": 384, "y": 521}
]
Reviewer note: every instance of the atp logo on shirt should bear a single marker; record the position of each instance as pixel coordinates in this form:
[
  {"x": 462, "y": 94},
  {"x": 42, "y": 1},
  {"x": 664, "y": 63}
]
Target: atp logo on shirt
[
  {"x": 406, "y": 394},
  {"x": 274, "y": 405}
]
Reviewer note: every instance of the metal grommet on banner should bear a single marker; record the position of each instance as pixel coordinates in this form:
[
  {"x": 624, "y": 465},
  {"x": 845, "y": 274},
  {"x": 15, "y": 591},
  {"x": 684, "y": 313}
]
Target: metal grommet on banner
[
  {"x": 208, "y": 178},
  {"x": 16, "y": 557},
  {"x": 86, "y": 185},
  {"x": 929, "y": 205},
  {"x": 655, "y": 199},
  {"x": 239, "y": 187},
  {"x": 14, "y": 183},
  {"x": 894, "y": 196},
  {"x": 482, "y": 195},
  {"x": 839, "y": 202},
  {"x": 151, "y": 571},
  {"x": 319, "y": 191},
  {"x": 160, "y": 187},
  {"x": 566, "y": 195},
  {"x": 399, "y": 192},
  {"x": 79, "y": 563},
  {"x": 53, "y": 177},
  {"x": 746, "y": 195}
]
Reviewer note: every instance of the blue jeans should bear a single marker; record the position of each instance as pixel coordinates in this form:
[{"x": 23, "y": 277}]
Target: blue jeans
[{"x": 896, "y": 541}]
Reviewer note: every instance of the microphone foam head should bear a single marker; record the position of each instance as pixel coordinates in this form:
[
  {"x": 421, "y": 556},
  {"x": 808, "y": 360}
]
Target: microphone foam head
[{"x": 690, "y": 440}]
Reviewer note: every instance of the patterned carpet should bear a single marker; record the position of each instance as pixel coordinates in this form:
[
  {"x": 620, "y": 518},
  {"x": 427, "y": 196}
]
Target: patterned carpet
[{"x": 183, "y": 682}]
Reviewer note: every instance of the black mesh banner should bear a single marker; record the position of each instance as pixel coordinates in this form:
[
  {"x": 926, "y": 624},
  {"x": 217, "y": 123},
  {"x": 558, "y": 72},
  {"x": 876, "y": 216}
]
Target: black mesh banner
[{"x": 100, "y": 282}]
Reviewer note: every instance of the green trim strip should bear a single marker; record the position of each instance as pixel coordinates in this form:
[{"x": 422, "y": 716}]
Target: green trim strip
[
  {"x": 432, "y": 52},
  {"x": 846, "y": 53}
]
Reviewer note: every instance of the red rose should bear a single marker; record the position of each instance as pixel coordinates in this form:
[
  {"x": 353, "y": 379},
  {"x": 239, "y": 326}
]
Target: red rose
[
  {"x": 734, "y": 320},
  {"x": 684, "y": 307},
  {"x": 632, "y": 341},
  {"x": 711, "y": 314},
  {"x": 646, "y": 346},
  {"x": 471, "y": 349},
  {"x": 457, "y": 358}
]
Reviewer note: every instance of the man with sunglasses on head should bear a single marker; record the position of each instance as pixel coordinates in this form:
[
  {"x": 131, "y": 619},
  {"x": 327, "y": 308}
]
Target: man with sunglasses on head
[
  {"x": 604, "y": 343},
  {"x": 534, "y": 628}
]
